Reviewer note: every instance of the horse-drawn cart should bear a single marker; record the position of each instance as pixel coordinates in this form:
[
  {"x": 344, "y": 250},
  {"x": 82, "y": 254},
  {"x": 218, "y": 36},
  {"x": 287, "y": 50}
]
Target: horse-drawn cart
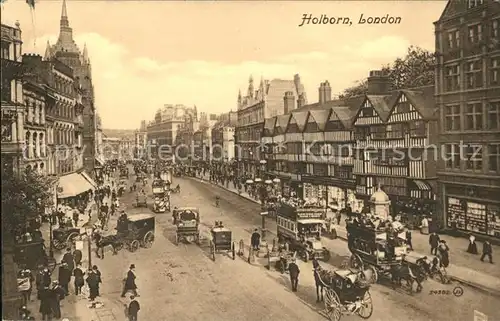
[
  {"x": 222, "y": 241},
  {"x": 346, "y": 293},
  {"x": 281, "y": 259},
  {"x": 141, "y": 200},
  {"x": 187, "y": 221},
  {"x": 64, "y": 237}
]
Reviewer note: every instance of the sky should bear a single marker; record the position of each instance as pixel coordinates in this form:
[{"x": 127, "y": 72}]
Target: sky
[{"x": 145, "y": 54}]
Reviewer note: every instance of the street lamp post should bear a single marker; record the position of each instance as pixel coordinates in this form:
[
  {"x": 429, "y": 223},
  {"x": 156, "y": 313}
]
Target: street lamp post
[{"x": 89, "y": 231}]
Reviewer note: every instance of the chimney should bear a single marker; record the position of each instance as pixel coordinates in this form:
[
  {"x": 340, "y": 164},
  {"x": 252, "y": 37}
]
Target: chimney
[
  {"x": 321, "y": 92},
  {"x": 288, "y": 100},
  {"x": 297, "y": 83},
  {"x": 301, "y": 102},
  {"x": 379, "y": 83},
  {"x": 327, "y": 91}
]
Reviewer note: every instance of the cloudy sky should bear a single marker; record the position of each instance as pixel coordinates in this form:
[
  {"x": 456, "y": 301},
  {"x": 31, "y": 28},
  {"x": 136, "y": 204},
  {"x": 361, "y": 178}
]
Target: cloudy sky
[{"x": 148, "y": 53}]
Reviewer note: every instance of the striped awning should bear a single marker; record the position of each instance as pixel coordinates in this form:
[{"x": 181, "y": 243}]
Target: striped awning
[{"x": 421, "y": 185}]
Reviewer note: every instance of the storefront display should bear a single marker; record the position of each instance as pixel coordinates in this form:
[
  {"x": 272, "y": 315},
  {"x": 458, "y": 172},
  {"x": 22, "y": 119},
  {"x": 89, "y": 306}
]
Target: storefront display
[
  {"x": 474, "y": 217},
  {"x": 336, "y": 196}
]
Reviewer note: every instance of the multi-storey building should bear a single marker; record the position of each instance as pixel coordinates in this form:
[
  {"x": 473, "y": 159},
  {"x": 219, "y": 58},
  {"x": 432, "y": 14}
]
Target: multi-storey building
[
  {"x": 111, "y": 148},
  {"x": 67, "y": 51},
  {"x": 223, "y": 137},
  {"x": 468, "y": 99},
  {"x": 12, "y": 98},
  {"x": 163, "y": 130},
  {"x": 140, "y": 138},
  {"x": 98, "y": 141},
  {"x": 12, "y": 119},
  {"x": 258, "y": 105},
  {"x": 395, "y": 133}
]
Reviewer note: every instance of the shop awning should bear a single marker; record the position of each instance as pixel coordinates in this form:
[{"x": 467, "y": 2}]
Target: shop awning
[
  {"x": 423, "y": 186},
  {"x": 72, "y": 185},
  {"x": 89, "y": 179},
  {"x": 99, "y": 160}
]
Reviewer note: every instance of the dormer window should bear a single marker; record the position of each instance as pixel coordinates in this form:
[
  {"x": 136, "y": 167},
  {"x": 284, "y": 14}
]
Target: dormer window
[{"x": 474, "y": 3}]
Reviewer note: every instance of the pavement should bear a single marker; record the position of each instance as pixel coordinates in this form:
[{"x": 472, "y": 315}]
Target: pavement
[{"x": 467, "y": 269}]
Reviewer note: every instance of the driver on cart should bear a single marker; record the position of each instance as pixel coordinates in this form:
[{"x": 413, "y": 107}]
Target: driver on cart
[{"x": 122, "y": 223}]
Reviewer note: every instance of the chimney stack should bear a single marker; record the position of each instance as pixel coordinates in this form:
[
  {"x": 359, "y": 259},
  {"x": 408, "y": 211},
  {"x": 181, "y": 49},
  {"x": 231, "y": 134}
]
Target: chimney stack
[
  {"x": 321, "y": 92},
  {"x": 301, "y": 102},
  {"x": 327, "y": 91},
  {"x": 379, "y": 83},
  {"x": 289, "y": 100}
]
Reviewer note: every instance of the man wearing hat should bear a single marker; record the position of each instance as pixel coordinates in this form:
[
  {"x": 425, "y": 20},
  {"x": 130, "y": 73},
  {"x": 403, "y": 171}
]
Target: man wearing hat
[
  {"x": 64, "y": 276},
  {"x": 133, "y": 308},
  {"x": 294, "y": 271},
  {"x": 130, "y": 282}
]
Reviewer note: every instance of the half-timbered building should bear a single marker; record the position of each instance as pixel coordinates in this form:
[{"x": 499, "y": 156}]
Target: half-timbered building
[{"x": 468, "y": 98}]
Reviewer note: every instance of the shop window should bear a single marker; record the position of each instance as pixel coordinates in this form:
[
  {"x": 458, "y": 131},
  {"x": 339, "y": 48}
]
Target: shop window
[
  {"x": 474, "y": 116},
  {"x": 474, "y": 158},
  {"x": 494, "y": 157},
  {"x": 493, "y": 220},
  {"x": 452, "y": 118}
]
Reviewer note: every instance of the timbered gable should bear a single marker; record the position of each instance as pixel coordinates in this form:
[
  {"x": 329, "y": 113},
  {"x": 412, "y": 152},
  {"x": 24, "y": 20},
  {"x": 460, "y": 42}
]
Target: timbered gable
[
  {"x": 292, "y": 127},
  {"x": 404, "y": 111},
  {"x": 297, "y": 122},
  {"x": 334, "y": 123},
  {"x": 281, "y": 124},
  {"x": 367, "y": 115},
  {"x": 316, "y": 120}
]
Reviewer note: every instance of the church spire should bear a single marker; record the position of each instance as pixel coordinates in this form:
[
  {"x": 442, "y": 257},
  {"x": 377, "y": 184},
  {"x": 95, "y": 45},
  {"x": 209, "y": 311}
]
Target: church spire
[
  {"x": 47, "y": 52},
  {"x": 64, "y": 15},
  {"x": 85, "y": 54},
  {"x": 250, "y": 87}
]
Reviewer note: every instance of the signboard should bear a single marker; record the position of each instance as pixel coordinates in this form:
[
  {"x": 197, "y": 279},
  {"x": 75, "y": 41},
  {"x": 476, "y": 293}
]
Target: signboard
[
  {"x": 79, "y": 245},
  {"x": 479, "y": 316},
  {"x": 264, "y": 213},
  {"x": 297, "y": 213},
  {"x": 157, "y": 190}
]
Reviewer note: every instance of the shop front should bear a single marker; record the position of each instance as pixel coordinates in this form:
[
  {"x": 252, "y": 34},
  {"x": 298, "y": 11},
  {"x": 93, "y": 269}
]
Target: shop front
[
  {"x": 472, "y": 210},
  {"x": 338, "y": 193},
  {"x": 73, "y": 186}
]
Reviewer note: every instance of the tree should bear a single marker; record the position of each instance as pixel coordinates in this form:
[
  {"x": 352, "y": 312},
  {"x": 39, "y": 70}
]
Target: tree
[
  {"x": 23, "y": 197},
  {"x": 414, "y": 70}
]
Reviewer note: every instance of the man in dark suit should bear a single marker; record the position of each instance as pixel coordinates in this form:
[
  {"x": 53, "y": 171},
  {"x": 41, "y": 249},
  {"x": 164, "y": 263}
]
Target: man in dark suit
[
  {"x": 487, "y": 251},
  {"x": 294, "y": 271},
  {"x": 434, "y": 242},
  {"x": 130, "y": 282},
  {"x": 133, "y": 309}
]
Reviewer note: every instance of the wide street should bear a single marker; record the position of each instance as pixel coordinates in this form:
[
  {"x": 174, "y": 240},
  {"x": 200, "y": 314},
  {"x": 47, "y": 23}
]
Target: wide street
[{"x": 182, "y": 282}]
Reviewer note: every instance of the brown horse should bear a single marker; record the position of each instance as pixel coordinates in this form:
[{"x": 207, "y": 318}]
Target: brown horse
[{"x": 409, "y": 274}]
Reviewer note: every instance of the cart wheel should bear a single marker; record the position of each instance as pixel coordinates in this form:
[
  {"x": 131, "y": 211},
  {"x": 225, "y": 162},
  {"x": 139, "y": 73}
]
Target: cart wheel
[
  {"x": 332, "y": 305},
  {"x": 58, "y": 245},
  {"x": 212, "y": 250},
  {"x": 355, "y": 262},
  {"x": 233, "y": 250},
  {"x": 148, "y": 239},
  {"x": 366, "y": 309},
  {"x": 133, "y": 246}
]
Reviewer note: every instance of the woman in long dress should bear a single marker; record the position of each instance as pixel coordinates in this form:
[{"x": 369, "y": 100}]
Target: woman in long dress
[{"x": 472, "y": 245}]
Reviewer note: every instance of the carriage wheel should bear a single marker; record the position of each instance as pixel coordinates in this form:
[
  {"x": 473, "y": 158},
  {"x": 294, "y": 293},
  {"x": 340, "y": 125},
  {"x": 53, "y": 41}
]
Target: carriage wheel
[
  {"x": 332, "y": 305},
  {"x": 233, "y": 250},
  {"x": 212, "y": 250},
  {"x": 148, "y": 239},
  {"x": 355, "y": 262},
  {"x": 366, "y": 309},
  {"x": 133, "y": 246},
  {"x": 70, "y": 239},
  {"x": 58, "y": 245}
]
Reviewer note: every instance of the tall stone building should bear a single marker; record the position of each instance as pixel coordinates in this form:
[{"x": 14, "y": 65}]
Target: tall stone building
[
  {"x": 468, "y": 98},
  {"x": 67, "y": 51}
]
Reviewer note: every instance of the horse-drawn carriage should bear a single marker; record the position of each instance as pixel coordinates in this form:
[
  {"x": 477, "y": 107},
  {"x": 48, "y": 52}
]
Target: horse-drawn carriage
[
  {"x": 133, "y": 231},
  {"x": 161, "y": 196},
  {"x": 347, "y": 292},
  {"x": 32, "y": 255},
  {"x": 187, "y": 221},
  {"x": 300, "y": 227},
  {"x": 64, "y": 237},
  {"x": 222, "y": 240},
  {"x": 141, "y": 200},
  {"x": 124, "y": 172}
]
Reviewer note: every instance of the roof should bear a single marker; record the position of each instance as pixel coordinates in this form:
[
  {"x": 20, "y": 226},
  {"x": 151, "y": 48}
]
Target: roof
[
  {"x": 300, "y": 118},
  {"x": 269, "y": 124},
  {"x": 344, "y": 114},
  {"x": 282, "y": 121},
  {"x": 380, "y": 104},
  {"x": 423, "y": 100},
  {"x": 220, "y": 229},
  {"x": 139, "y": 217},
  {"x": 320, "y": 117},
  {"x": 187, "y": 209}
]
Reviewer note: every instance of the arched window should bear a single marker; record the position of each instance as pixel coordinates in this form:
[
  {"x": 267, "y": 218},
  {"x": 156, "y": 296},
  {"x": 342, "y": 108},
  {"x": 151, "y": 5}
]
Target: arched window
[
  {"x": 42, "y": 144},
  {"x": 27, "y": 141},
  {"x": 35, "y": 145}
]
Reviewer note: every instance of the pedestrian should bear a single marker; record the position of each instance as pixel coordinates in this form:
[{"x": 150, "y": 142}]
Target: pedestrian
[
  {"x": 77, "y": 255},
  {"x": 64, "y": 276},
  {"x": 95, "y": 270},
  {"x": 129, "y": 282},
  {"x": 408, "y": 240},
  {"x": 338, "y": 216},
  {"x": 472, "y": 248},
  {"x": 69, "y": 259},
  {"x": 434, "y": 242},
  {"x": 443, "y": 253},
  {"x": 76, "y": 217},
  {"x": 44, "y": 295},
  {"x": 79, "y": 280},
  {"x": 133, "y": 309},
  {"x": 57, "y": 293},
  {"x": 255, "y": 240},
  {"x": 93, "y": 284},
  {"x": 294, "y": 271},
  {"x": 487, "y": 251}
]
